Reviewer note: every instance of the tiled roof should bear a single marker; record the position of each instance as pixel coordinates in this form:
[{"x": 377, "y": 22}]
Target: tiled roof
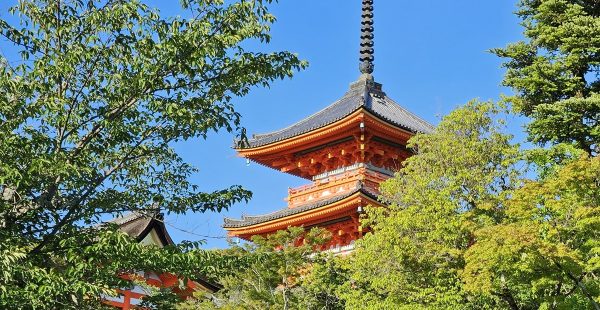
[
  {"x": 257, "y": 219},
  {"x": 364, "y": 93},
  {"x": 138, "y": 224}
]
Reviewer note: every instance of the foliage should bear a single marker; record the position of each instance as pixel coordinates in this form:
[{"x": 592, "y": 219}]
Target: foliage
[
  {"x": 280, "y": 271},
  {"x": 545, "y": 253},
  {"x": 87, "y": 116},
  {"x": 555, "y": 71},
  {"x": 325, "y": 283},
  {"x": 455, "y": 184},
  {"x": 466, "y": 229}
]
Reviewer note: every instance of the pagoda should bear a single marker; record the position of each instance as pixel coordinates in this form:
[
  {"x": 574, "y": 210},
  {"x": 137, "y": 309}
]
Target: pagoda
[{"x": 346, "y": 150}]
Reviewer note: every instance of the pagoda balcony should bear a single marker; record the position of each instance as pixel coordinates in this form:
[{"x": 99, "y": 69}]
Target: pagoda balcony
[
  {"x": 338, "y": 182},
  {"x": 340, "y": 250},
  {"x": 337, "y": 250}
]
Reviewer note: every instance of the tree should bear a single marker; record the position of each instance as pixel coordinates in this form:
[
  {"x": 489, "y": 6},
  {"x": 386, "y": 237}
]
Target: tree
[
  {"x": 453, "y": 185},
  {"x": 555, "y": 71},
  {"x": 466, "y": 228},
  {"x": 324, "y": 283},
  {"x": 280, "y": 271},
  {"x": 545, "y": 252},
  {"x": 87, "y": 117}
]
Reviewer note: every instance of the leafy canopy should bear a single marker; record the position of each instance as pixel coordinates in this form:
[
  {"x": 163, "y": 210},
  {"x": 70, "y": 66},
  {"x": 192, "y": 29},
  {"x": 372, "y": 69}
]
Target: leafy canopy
[
  {"x": 468, "y": 228},
  {"x": 454, "y": 185},
  {"x": 554, "y": 72},
  {"x": 280, "y": 271},
  {"x": 97, "y": 93}
]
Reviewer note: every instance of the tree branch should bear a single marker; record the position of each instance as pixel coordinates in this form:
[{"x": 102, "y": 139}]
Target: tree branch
[{"x": 579, "y": 284}]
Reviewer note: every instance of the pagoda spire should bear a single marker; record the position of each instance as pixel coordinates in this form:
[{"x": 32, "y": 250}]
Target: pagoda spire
[{"x": 366, "y": 38}]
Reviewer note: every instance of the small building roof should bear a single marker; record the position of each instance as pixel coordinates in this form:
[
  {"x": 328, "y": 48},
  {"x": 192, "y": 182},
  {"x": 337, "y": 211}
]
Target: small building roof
[
  {"x": 247, "y": 220},
  {"x": 138, "y": 225},
  {"x": 363, "y": 94}
]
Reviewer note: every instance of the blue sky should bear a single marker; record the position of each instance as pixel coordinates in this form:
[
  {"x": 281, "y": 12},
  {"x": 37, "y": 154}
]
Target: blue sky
[{"x": 430, "y": 55}]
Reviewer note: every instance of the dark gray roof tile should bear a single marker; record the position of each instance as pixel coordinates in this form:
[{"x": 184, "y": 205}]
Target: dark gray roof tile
[
  {"x": 138, "y": 224},
  {"x": 362, "y": 94}
]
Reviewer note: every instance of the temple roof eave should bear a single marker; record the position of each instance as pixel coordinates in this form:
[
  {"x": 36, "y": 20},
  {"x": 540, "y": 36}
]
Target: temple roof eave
[
  {"x": 363, "y": 94},
  {"x": 331, "y": 130},
  {"x": 288, "y": 214}
]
